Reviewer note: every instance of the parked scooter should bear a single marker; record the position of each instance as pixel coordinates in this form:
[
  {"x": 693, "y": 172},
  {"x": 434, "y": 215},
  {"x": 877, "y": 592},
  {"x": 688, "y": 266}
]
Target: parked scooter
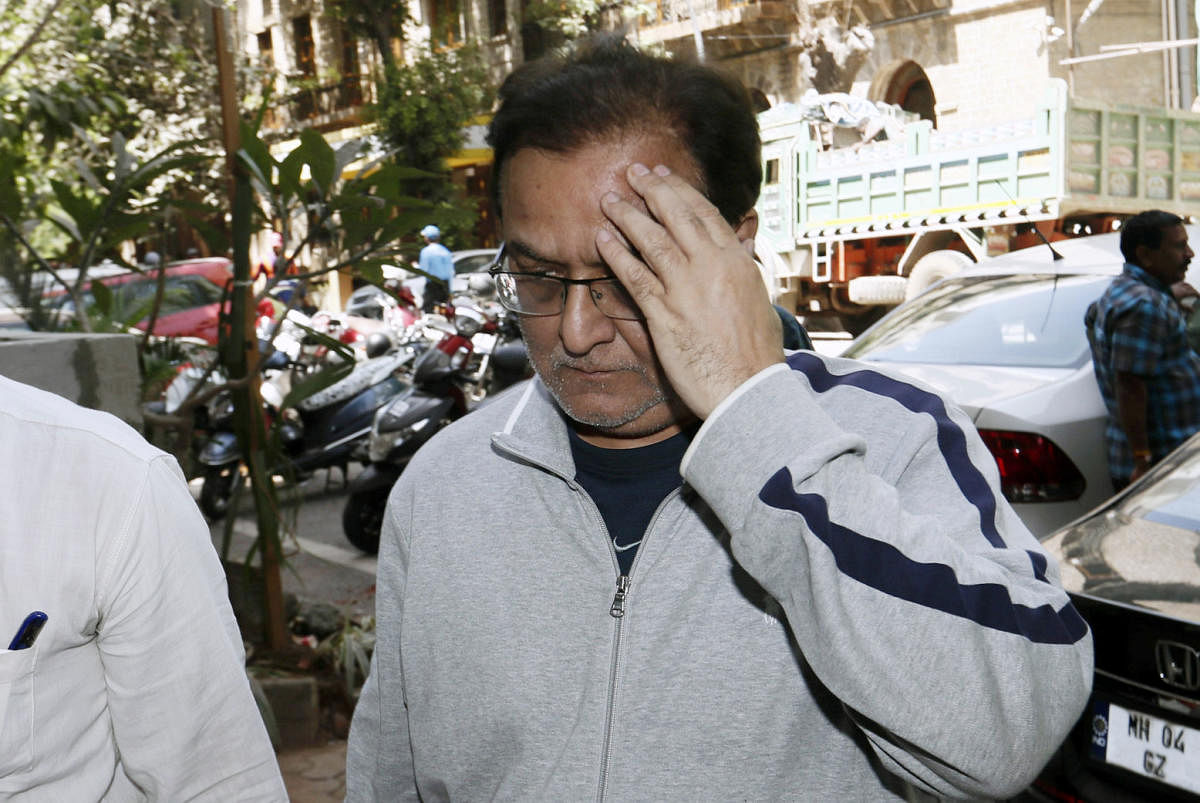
[
  {"x": 323, "y": 430},
  {"x": 448, "y": 381}
]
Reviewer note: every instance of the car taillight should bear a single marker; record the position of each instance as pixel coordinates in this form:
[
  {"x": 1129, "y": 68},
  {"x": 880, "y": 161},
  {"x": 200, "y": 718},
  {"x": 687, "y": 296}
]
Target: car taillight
[{"x": 1032, "y": 468}]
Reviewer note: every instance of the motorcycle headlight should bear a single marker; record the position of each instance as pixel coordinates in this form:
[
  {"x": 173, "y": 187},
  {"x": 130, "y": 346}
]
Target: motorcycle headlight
[
  {"x": 467, "y": 321},
  {"x": 392, "y": 417},
  {"x": 220, "y": 409},
  {"x": 380, "y": 444}
]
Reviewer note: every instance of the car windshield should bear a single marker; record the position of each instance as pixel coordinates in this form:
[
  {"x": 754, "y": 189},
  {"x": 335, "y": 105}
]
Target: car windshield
[
  {"x": 180, "y": 293},
  {"x": 1012, "y": 320},
  {"x": 475, "y": 263}
]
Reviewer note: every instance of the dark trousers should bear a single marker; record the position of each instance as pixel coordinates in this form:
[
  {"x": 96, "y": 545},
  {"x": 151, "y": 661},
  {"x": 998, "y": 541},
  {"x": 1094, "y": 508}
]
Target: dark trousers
[{"x": 436, "y": 292}]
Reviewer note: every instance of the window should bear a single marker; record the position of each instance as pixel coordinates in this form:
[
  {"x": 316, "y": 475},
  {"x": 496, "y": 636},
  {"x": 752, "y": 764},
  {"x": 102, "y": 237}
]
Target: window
[
  {"x": 446, "y": 22},
  {"x": 771, "y": 172},
  {"x": 497, "y": 17},
  {"x": 302, "y": 37},
  {"x": 351, "y": 90},
  {"x": 266, "y": 51},
  {"x": 1022, "y": 319}
]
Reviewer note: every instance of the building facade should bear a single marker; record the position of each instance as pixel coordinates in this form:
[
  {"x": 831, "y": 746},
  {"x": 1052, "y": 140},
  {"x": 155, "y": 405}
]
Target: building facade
[{"x": 959, "y": 63}]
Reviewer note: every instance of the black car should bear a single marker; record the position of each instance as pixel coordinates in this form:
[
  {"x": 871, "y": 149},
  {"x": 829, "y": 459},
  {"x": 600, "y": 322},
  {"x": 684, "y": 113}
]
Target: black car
[{"x": 1132, "y": 567}]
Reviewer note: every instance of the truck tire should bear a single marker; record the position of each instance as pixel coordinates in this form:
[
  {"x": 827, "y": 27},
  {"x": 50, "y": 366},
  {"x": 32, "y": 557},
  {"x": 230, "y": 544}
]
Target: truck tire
[
  {"x": 887, "y": 291},
  {"x": 932, "y": 268}
]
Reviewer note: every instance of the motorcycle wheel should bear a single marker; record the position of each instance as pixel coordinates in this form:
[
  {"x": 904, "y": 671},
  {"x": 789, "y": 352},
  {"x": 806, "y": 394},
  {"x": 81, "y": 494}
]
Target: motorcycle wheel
[
  {"x": 362, "y": 519},
  {"x": 216, "y": 490}
]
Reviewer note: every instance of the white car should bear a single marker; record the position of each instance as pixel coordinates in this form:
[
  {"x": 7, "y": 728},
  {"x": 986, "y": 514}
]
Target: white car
[
  {"x": 1132, "y": 568},
  {"x": 1005, "y": 341},
  {"x": 470, "y": 274}
]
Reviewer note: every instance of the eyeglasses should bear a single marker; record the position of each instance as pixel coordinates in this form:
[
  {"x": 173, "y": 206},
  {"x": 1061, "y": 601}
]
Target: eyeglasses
[{"x": 542, "y": 295}]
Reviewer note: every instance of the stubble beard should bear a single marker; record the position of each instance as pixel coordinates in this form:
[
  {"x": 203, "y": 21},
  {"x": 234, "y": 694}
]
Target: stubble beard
[
  {"x": 552, "y": 377},
  {"x": 551, "y": 370}
]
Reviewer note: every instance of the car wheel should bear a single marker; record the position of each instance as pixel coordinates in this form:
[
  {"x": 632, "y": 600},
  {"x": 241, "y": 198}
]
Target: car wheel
[
  {"x": 362, "y": 518},
  {"x": 932, "y": 268}
]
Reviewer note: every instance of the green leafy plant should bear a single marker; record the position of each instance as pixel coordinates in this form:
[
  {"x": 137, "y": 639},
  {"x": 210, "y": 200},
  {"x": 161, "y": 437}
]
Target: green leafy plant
[{"x": 349, "y": 653}]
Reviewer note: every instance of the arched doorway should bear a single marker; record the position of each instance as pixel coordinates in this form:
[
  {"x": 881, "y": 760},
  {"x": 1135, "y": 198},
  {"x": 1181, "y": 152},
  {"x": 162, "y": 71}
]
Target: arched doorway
[{"x": 905, "y": 84}]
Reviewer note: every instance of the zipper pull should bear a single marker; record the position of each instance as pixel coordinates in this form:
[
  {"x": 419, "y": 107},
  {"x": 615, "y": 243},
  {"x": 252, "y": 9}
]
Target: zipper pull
[{"x": 618, "y": 604}]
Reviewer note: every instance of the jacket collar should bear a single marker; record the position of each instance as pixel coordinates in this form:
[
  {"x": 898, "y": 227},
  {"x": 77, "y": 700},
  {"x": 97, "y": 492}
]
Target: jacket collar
[{"x": 536, "y": 432}]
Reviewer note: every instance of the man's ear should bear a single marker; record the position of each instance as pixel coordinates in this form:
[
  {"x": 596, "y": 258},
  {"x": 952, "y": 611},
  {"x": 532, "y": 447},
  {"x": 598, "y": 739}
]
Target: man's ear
[
  {"x": 746, "y": 229},
  {"x": 1141, "y": 255}
]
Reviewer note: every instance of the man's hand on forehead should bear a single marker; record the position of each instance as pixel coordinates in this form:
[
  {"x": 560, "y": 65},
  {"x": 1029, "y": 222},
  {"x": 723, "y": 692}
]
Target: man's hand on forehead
[{"x": 695, "y": 280}]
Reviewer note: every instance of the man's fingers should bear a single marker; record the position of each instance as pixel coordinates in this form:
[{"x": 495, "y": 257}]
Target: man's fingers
[
  {"x": 659, "y": 251},
  {"x": 679, "y": 206},
  {"x": 639, "y": 280}
]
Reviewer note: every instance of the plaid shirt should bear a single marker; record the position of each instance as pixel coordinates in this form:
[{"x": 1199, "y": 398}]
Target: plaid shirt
[{"x": 1137, "y": 327}]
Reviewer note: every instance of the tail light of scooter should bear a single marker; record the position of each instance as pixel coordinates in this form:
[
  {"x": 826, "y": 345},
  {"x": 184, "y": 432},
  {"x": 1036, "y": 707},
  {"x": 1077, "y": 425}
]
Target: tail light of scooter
[{"x": 1032, "y": 467}]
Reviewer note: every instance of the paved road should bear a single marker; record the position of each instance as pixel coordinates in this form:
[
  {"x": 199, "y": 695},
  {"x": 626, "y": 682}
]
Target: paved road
[{"x": 322, "y": 565}]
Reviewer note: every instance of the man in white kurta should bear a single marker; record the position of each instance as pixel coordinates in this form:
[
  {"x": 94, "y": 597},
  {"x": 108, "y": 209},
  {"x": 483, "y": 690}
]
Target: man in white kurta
[{"x": 135, "y": 689}]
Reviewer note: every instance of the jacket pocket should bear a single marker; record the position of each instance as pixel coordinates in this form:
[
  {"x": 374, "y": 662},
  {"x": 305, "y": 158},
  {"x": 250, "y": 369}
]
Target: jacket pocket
[{"x": 16, "y": 710}]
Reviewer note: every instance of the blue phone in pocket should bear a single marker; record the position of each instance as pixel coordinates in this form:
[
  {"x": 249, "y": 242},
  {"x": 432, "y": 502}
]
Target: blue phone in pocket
[{"x": 29, "y": 630}]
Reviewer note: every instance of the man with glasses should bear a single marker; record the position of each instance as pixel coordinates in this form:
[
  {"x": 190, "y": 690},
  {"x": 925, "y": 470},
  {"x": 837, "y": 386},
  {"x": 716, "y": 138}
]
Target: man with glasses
[{"x": 676, "y": 565}]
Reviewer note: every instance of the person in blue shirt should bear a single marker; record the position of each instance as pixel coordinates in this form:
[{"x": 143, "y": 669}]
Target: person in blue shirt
[
  {"x": 1147, "y": 371},
  {"x": 436, "y": 263}
]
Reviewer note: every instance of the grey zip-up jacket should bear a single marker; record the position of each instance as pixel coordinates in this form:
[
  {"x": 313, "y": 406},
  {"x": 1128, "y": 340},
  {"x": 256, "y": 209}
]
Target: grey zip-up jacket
[{"x": 837, "y": 605}]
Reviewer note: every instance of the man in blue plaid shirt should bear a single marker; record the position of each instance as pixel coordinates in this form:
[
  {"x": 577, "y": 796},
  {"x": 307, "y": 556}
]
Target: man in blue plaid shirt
[{"x": 1147, "y": 371}]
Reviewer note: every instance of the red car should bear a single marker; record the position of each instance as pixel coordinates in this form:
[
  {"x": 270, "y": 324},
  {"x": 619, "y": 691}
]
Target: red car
[{"x": 191, "y": 301}]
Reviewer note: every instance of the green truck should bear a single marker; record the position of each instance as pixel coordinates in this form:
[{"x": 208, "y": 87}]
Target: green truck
[{"x": 853, "y": 230}]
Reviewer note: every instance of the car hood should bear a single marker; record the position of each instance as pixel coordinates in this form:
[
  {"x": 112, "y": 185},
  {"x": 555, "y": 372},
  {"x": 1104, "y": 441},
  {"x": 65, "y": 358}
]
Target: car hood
[
  {"x": 977, "y": 387},
  {"x": 1133, "y": 573},
  {"x": 1130, "y": 555}
]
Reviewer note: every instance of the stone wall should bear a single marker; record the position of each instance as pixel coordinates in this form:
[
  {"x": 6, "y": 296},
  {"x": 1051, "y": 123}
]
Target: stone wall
[{"x": 987, "y": 60}]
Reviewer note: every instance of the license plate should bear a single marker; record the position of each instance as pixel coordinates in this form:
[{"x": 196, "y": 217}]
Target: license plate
[{"x": 1154, "y": 748}]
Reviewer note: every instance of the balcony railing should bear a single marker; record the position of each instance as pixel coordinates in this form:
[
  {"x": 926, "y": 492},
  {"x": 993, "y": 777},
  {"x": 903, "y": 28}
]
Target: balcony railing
[
  {"x": 667, "y": 11},
  {"x": 318, "y": 106}
]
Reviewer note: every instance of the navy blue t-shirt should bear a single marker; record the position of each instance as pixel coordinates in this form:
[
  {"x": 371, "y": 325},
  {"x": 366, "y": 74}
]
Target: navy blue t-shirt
[{"x": 628, "y": 485}]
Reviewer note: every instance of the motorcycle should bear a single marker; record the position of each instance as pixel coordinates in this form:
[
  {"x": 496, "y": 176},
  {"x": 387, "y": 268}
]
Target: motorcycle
[
  {"x": 321, "y": 431},
  {"x": 481, "y": 355}
]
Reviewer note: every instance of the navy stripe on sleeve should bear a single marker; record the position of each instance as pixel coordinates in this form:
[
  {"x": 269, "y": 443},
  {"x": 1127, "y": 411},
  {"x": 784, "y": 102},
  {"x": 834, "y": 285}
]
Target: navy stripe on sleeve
[
  {"x": 951, "y": 439},
  {"x": 932, "y": 585},
  {"x": 1039, "y": 565}
]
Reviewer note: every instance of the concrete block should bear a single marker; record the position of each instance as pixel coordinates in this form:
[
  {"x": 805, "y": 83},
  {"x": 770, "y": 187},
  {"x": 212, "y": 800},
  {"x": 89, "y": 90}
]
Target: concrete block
[{"x": 296, "y": 706}]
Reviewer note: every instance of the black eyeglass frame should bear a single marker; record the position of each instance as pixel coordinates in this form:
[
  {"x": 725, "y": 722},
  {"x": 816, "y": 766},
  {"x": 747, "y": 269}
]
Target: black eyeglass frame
[{"x": 495, "y": 270}]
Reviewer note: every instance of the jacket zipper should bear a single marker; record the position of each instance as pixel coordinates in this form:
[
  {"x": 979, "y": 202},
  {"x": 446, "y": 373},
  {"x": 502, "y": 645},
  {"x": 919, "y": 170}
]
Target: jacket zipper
[{"x": 616, "y": 611}]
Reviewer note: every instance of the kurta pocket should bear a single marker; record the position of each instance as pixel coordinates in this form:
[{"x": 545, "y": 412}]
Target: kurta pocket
[{"x": 16, "y": 710}]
